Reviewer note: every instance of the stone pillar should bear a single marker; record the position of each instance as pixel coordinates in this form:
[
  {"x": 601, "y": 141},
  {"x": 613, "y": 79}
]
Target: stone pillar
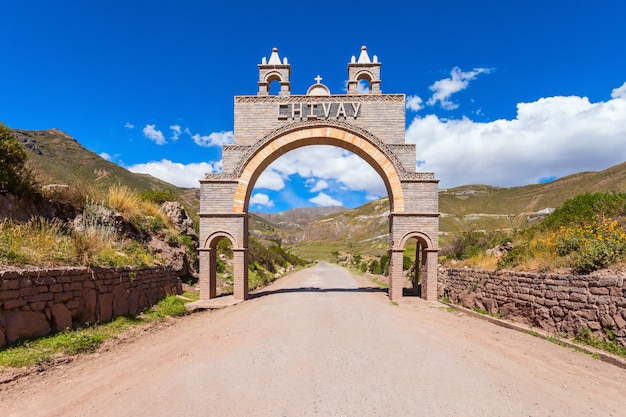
[
  {"x": 207, "y": 274},
  {"x": 240, "y": 273},
  {"x": 396, "y": 278},
  {"x": 429, "y": 279}
]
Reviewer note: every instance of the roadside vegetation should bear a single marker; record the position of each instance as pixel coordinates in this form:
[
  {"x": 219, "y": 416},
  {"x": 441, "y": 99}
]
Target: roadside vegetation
[
  {"x": 585, "y": 234},
  {"x": 110, "y": 233}
]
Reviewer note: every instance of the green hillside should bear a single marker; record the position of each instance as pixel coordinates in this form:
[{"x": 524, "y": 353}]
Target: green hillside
[
  {"x": 364, "y": 230},
  {"x": 57, "y": 158}
]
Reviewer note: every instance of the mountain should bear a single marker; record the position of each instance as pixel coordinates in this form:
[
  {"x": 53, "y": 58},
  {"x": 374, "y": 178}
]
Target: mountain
[
  {"x": 364, "y": 230},
  {"x": 57, "y": 158},
  {"x": 316, "y": 232}
]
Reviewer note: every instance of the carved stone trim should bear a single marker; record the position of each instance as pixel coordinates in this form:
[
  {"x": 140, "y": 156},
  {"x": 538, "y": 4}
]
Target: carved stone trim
[
  {"x": 235, "y": 148},
  {"x": 220, "y": 177},
  {"x": 419, "y": 176},
  {"x": 371, "y": 98},
  {"x": 358, "y": 131}
]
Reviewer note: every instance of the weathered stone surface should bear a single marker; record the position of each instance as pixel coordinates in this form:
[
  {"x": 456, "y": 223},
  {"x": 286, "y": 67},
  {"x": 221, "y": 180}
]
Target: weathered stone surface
[
  {"x": 468, "y": 300},
  {"x": 88, "y": 305},
  {"x": 61, "y": 317},
  {"x": 120, "y": 301},
  {"x": 105, "y": 307},
  {"x": 133, "y": 302},
  {"x": 563, "y": 303},
  {"x": 26, "y": 324},
  {"x": 39, "y": 302}
]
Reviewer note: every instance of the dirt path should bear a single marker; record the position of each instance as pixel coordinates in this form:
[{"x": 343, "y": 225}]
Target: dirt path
[{"x": 318, "y": 343}]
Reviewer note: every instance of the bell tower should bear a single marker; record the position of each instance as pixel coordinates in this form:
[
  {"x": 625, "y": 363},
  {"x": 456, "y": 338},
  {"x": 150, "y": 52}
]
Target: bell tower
[
  {"x": 274, "y": 70},
  {"x": 364, "y": 69}
]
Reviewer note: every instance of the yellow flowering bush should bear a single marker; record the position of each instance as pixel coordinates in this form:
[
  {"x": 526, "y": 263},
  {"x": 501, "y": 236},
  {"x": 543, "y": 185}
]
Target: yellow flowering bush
[{"x": 590, "y": 246}]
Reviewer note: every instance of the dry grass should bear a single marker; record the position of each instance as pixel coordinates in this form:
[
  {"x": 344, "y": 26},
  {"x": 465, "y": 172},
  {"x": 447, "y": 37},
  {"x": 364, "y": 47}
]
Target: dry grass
[
  {"x": 38, "y": 241},
  {"x": 482, "y": 261},
  {"x": 125, "y": 201}
]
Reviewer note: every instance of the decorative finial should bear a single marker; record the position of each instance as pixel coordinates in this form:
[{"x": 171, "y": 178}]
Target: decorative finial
[
  {"x": 274, "y": 58},
  {"x": 364, "y": 57},
  {"x": 318, "y": 79}
]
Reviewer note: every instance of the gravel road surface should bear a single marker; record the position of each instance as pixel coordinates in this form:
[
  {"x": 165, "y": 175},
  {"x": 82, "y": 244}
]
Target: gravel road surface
[{"x": 323, "y": 342}]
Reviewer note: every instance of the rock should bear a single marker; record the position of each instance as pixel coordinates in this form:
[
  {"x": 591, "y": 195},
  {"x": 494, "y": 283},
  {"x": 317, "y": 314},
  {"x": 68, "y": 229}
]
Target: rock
[
  {"x": 98, "y": 216},
  {"x": 88, "y": 305},
  {"x": 120, "y": 301},
  {"x": 500, "y": 250},
  {"x": 3, "y": 338},
  {"x": 105, "y": 308},
  {"x": 61, "y": 317},
  {"x": 176, "y": 257},
  {"x": 26, "y": 324},
  {"x": 174, "y": 211},
  {"x": 468, "y": 300}
]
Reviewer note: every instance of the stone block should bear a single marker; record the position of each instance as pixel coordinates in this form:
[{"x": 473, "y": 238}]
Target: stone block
[
  {"x": 42, "y": 297},
  {"x": 38, "y": 306},
  {"x": 599, "y": 291},
  {"x": 468, "y": 300},
  {"x": 26, "y": 324},
  {"x": 61, "y": 317},
  {"x": 63, "y": 296},
  {"x": 105, "y": 307},
  {"x": 56, "y": 288},
  {"x": 14, "y": 303},
  {"x": 88, "y": 305},
  {"x": 9, "y": 284},
  {"x": 120, "y": 301},
  {"x": 9, "y": 295}
]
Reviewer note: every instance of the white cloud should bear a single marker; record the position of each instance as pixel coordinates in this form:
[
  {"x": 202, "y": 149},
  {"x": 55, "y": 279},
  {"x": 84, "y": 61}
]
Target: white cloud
[
  {"x": 270, "y": 180},
  {"x": 619, "y": 92},
  {"x": 260, "y": 199},
  {"x": 554, "y": 136},
  {"x": 363, "y": 87},
  {"x": 321, "y": 185},
  {"x": 181, "y": 175},
  {"x": 154, "y": 135},
  {"x": 326, "y": 162},
  {"x": 459, "y": 80},
  {"x": 214, "y": 139},
  {"x": 414, "y": 103},
  {"x": 324, "y": 199},
  {"x": 129, "y": 125},
  {"x": 105, "y": 156},
  {"x": 176, "y": 132}
]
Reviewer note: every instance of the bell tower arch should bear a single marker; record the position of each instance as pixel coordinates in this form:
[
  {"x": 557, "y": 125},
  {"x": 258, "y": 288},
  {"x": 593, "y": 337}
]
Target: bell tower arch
[
  {"x": 363, "y": 121},
  {"x": 274, "y": 70}
]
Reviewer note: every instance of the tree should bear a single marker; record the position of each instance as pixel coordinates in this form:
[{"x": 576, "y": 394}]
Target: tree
[{"x": 14, "y": 174}]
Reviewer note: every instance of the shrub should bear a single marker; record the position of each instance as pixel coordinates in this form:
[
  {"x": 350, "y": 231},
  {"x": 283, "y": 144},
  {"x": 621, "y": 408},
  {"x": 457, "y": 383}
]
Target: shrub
[
  {"x": 590, "y": 246},
  {"x": 157, "y": 196},
  {"x": 584, "y": 208},
  {"x": 14, "y": 174}
]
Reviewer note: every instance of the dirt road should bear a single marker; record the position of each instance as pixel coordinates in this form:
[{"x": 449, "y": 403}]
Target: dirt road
[{"x": 319, "y": 343}]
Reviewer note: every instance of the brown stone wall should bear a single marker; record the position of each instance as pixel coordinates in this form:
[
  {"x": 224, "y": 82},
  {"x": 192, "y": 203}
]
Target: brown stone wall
[
  {"x": 36, "y": 302},
  {"x": 556, "y": 303}
]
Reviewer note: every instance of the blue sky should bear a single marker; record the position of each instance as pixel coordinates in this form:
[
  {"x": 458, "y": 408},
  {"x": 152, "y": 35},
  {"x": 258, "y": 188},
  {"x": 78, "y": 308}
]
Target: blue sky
[{"x": 499, "y": 93}]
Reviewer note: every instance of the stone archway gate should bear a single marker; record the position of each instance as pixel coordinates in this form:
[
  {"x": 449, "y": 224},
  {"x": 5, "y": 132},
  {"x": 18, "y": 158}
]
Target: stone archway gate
[{"x": 363, "y": 121}]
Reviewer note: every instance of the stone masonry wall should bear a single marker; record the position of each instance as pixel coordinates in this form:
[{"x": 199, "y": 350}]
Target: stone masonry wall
[
  {"x": 556, "y": 303},
  {"x": 37, "y": 302}
]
